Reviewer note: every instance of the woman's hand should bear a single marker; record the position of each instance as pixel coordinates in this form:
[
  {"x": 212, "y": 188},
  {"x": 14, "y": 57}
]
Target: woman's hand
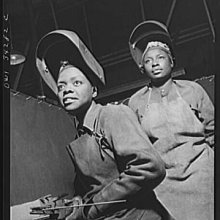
[{"x": 71, "y": 213}]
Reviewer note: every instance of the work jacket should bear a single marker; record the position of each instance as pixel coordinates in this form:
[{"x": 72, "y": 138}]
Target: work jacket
[
  {"x": 115, "y": 160},
  {"x": 179, "y": 120}
]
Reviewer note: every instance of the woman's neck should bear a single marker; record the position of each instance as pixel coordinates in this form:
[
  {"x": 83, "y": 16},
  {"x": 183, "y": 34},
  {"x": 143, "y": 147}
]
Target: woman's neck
[
  {"x": 162, "y": 83},
  {"x": 81, "y": 114},
  {"x": 80, "y": 120}
]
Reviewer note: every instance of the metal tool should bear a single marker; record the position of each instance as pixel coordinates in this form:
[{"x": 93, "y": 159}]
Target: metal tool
[
  {"x": 55, "y": 208},
  {"x": 84, "y": 205}
]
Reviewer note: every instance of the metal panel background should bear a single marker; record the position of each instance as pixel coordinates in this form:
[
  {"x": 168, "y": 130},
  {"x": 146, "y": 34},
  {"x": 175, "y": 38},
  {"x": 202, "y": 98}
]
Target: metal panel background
[{"x": 39, "y": 162}]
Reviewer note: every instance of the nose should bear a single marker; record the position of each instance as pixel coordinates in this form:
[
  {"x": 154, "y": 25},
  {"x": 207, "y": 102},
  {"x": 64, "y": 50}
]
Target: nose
[
  {"x": 154, "y": 63},
  {"x": 68, "y": 89}
]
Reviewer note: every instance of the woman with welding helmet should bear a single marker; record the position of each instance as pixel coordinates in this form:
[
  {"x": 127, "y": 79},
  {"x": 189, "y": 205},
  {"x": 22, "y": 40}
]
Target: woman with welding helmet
[
  {"x": 113, "y": 157},
  {"x": 178, "y": 117}
]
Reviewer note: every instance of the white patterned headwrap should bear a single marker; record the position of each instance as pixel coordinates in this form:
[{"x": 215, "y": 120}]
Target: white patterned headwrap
[{"x": 157, "y": 44}]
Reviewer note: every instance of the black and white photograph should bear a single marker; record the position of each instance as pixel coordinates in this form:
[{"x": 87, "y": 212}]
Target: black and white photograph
[{"x": 109, "y": 109}]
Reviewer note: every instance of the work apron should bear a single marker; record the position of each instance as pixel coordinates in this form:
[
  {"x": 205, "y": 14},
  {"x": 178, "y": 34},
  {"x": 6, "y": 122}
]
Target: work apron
[
  {"x": 96, "y": 167},
  {"x": 188, "y": 189}
]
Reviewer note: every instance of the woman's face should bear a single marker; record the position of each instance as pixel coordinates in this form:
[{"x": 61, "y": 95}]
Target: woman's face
[
  {"x": 75, "y": 92},
  {"x": 157, "y": 64}
]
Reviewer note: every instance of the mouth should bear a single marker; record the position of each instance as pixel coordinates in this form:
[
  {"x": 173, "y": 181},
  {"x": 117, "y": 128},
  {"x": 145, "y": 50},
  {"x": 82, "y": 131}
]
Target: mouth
[
  {"x": 157, "y": 71},
  {"x": 69, "y": 100}
]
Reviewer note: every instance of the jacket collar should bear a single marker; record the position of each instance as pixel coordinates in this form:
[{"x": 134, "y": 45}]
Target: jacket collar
[
  {"x": 90, "y": 117},
  {"x": 165, "y": 89}
]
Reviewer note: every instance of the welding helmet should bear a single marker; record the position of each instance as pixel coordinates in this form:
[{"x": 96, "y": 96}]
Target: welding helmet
[
  {"x": 149, "y": 34},
  {"x": 61, "y": 47}
]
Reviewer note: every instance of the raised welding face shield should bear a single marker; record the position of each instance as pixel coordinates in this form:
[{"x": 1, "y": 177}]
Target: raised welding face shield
[
  {"x": 145, "y": 32},
  {"x": 57, "y": 47}
]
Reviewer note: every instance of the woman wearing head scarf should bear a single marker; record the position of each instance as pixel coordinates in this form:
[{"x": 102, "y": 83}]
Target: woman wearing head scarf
[
  {"x": 113, "y": 157},
  {"x": 178, "y": 117}
]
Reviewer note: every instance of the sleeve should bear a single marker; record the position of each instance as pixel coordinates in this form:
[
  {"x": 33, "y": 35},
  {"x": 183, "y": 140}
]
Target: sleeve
[
  {"x": 139, "y": 164},
  {"x": 206, "y": 108}
]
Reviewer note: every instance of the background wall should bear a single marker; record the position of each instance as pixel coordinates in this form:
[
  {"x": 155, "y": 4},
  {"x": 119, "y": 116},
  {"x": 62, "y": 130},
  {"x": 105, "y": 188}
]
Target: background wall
[{"x": 105, "y": 27}]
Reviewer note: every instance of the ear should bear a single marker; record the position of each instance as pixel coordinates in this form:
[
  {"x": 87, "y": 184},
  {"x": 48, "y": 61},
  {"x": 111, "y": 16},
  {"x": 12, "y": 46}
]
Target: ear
[
  {"x": 141, "y": 68},
  {"x": 172, "y": 64},
  {"x": 94, "y": 92},
  {"x": 171, "y": 61}
]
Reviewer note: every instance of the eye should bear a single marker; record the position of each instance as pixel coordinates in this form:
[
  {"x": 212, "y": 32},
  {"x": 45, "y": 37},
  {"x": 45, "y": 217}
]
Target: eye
[
  {"x": 161, "y": 57},
  {"x": 60, "y": 87},
  {"x": 147, "y": 61},
  {"x": 77, "y": 83}
]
